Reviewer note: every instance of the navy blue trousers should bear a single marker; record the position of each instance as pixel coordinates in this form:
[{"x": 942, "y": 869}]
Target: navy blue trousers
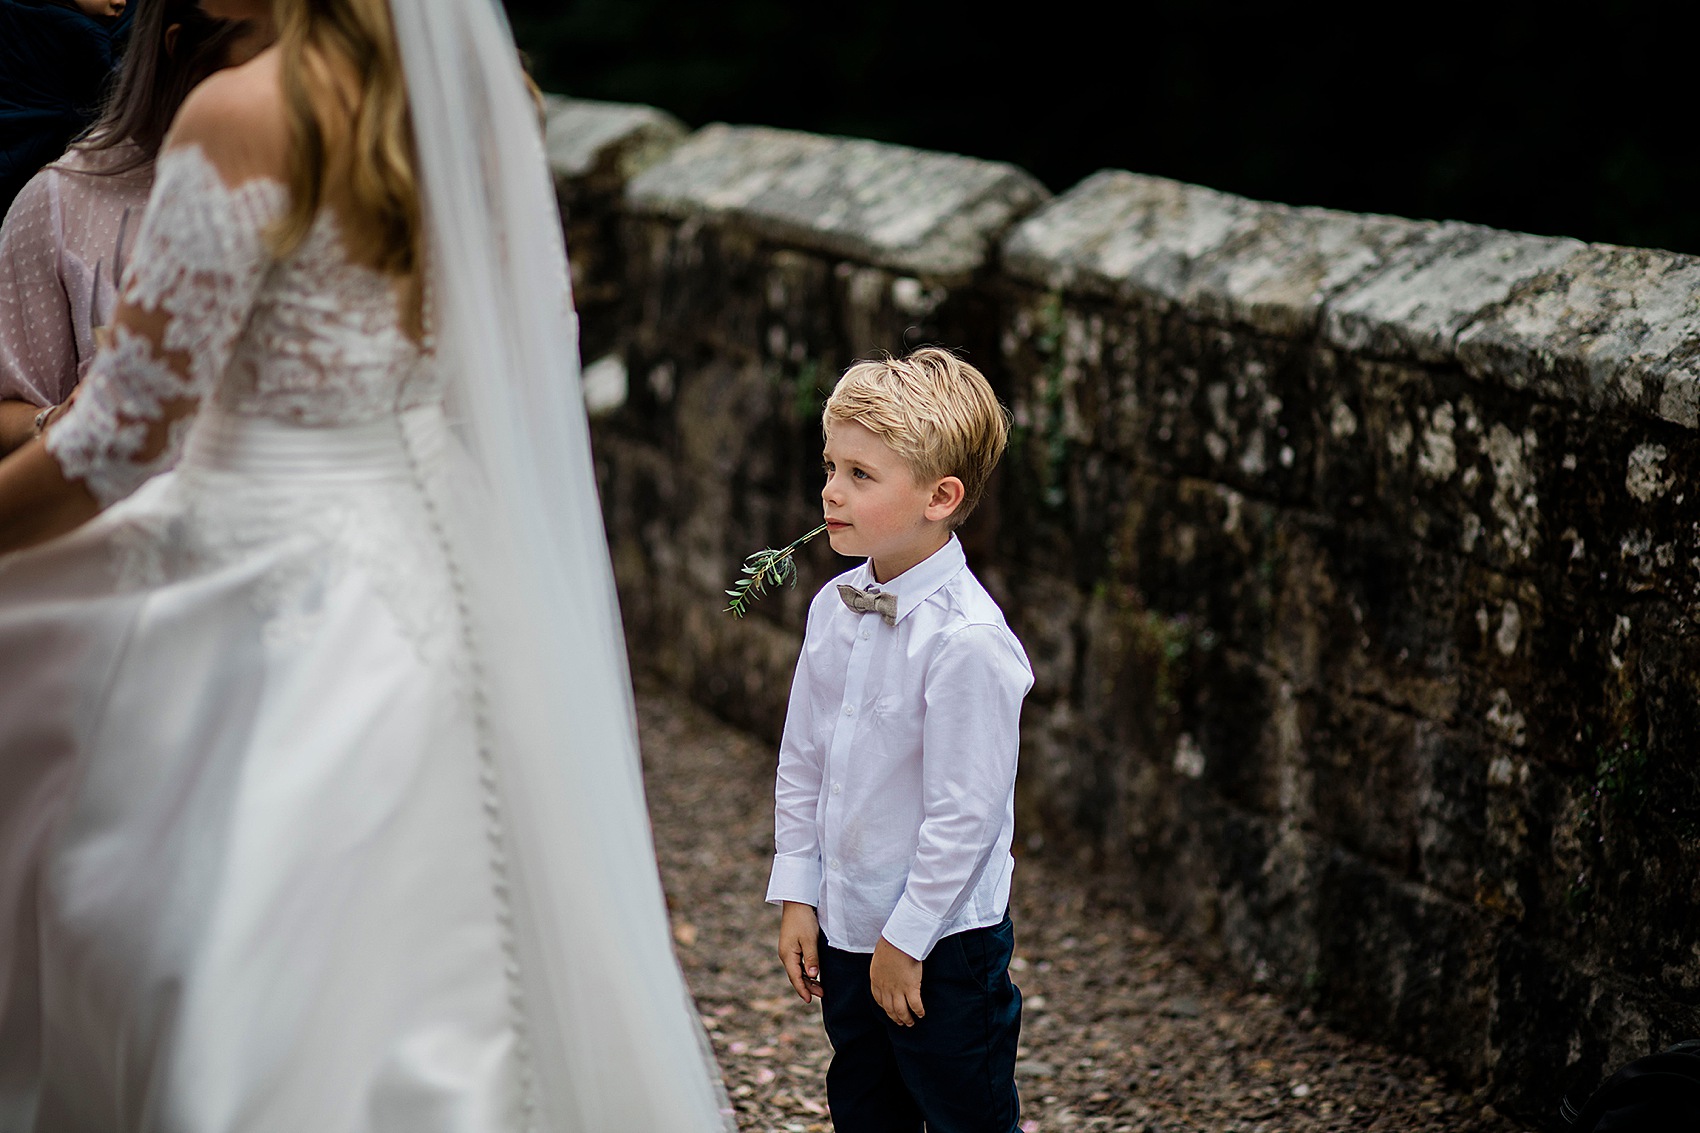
[{"x": 954, "y": 1070}]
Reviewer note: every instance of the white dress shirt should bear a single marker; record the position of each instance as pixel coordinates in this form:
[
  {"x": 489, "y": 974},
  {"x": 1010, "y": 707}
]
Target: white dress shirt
[{"x": 895, "y": 802}]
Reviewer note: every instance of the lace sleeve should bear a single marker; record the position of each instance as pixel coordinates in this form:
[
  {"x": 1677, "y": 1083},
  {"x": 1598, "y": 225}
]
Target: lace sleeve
[{"x": 200, "y": 258}]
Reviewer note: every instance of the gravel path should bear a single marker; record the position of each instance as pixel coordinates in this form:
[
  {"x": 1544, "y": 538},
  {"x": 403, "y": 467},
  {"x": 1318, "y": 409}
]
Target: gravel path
[{"x": 1119, "y": 1032}]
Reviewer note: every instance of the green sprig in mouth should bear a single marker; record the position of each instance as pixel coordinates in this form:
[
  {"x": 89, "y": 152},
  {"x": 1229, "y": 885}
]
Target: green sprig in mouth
[{"x": 765, "y": 568}]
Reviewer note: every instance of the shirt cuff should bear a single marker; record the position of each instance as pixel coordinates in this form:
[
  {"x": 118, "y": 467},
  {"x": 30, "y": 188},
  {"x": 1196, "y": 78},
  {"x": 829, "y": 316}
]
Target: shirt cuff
[
  {"x": 795, "y": 877},
  {"x": 913, "y": 929}
]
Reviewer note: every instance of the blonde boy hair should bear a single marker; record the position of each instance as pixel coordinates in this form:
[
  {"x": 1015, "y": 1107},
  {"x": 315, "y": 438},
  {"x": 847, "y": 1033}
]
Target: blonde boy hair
[{"x": 935, "y": 411}]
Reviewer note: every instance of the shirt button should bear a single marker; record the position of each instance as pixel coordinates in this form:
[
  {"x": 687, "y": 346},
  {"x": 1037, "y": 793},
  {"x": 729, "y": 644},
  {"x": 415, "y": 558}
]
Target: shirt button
[
  {"x": 849, "y": 711},
  {"x": 864, "y": 635},
  {"x": 838, "y": 788},
  {"x": 833, "y": 863}
]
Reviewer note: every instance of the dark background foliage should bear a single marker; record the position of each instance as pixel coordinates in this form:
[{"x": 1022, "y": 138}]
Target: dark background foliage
[{"x": 1544, "y": 118}]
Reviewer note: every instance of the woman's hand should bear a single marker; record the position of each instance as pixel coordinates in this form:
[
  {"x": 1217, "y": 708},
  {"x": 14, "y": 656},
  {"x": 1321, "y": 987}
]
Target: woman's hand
[
  {"x": 53, "y": 412},
  {"x": 47, "y": 416}
]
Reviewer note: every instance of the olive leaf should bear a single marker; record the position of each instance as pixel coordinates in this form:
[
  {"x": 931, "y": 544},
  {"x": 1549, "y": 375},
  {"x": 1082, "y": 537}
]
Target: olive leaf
[{"x": 767, "y": 567}]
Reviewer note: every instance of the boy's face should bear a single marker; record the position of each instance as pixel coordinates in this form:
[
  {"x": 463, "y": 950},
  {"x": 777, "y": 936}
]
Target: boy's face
[
  {"x": 101, "y": 9},
  {"x": 873, "y": 504}
]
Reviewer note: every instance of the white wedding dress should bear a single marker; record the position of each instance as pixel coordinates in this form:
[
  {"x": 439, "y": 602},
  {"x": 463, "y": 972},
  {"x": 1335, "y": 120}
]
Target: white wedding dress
[{"x": 257, "y": 856}]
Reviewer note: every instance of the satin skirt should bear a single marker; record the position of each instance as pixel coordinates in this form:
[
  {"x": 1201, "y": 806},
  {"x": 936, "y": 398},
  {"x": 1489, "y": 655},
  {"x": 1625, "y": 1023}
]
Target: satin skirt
[{"x": 245, "y": 876}]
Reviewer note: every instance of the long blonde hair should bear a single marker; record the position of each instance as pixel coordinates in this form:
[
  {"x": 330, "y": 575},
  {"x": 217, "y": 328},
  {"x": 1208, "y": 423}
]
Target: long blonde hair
[{"x": 384, "y": 228}]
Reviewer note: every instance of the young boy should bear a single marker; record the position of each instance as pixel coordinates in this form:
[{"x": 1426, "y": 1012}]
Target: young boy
[{"x": 895, "y": 801}]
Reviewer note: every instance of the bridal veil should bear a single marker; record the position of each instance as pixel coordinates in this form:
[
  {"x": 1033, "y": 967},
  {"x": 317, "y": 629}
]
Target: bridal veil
[{"x": 615, "y": 1043}]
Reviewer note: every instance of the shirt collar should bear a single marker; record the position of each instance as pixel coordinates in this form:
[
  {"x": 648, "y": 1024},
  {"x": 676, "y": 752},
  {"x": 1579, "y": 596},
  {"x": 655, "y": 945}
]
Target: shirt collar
[{"x": 920, "y": 581}]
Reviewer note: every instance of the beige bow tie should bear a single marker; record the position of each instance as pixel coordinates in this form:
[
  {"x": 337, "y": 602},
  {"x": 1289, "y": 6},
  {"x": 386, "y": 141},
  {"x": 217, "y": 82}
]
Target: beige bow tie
[{"x": 864, "y": 602}]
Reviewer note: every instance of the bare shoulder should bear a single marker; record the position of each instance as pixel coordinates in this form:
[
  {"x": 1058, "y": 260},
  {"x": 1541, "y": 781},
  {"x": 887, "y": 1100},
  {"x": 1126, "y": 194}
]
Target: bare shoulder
[{"x": 238, "y": 119}]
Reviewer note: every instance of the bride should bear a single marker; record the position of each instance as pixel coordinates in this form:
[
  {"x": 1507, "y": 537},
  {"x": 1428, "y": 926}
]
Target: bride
[{"x": 319, "y": 797}]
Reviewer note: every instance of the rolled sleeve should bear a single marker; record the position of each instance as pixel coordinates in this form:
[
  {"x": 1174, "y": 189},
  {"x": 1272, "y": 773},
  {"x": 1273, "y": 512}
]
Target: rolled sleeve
[{"x": 38, "y": 349}]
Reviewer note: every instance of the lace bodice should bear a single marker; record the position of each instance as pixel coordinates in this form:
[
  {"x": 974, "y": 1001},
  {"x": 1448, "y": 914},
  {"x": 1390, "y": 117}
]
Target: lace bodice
[{"x": 208, "y": 312}]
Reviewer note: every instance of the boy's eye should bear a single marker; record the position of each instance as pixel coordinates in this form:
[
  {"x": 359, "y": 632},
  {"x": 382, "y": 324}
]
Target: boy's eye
[{"x": 859, "y": 474}]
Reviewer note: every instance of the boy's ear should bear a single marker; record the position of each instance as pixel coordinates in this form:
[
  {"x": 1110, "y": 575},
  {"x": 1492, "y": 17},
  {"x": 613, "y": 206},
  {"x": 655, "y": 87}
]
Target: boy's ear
[{"x": 948, "y": 495}]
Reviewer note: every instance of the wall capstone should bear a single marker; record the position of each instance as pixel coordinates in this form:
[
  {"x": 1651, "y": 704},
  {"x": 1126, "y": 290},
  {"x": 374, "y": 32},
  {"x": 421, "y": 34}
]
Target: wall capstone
[
  {"x": 908, "y": 210},
  {"x": 1607, "y": 326},
  {"x": 608, "y": 140},
  {"x": 1268, "y": 266}
]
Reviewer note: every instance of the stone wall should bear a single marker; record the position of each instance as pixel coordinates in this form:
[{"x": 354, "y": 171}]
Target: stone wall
[{"x": 1357, "y": 557}]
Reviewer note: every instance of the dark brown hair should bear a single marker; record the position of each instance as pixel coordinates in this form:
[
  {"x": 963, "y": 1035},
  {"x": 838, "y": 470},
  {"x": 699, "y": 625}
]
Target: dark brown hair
[{"x": 152, "y": 82}]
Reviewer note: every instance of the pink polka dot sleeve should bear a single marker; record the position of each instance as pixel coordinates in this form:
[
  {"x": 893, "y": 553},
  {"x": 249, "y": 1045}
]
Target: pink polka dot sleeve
[{"x": 38, "y": 349}]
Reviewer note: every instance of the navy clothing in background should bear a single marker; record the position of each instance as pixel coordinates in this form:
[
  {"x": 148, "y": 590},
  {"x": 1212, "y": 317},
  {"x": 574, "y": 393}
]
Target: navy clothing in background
[{"x": 54, "y": 66}]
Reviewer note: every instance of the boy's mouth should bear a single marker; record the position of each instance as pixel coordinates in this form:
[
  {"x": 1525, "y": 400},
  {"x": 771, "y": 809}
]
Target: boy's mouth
[{"x": 835, "y": 525}]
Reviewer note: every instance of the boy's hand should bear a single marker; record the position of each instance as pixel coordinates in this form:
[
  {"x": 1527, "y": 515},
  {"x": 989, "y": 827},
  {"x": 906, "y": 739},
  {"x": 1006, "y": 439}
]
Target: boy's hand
[
  {"x": 895, "y": 977},
  {"x": 799, "y": 940}
]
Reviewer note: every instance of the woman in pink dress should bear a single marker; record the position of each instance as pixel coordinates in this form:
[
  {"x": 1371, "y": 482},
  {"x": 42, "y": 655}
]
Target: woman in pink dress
[{"x": 68, "y": 234}]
